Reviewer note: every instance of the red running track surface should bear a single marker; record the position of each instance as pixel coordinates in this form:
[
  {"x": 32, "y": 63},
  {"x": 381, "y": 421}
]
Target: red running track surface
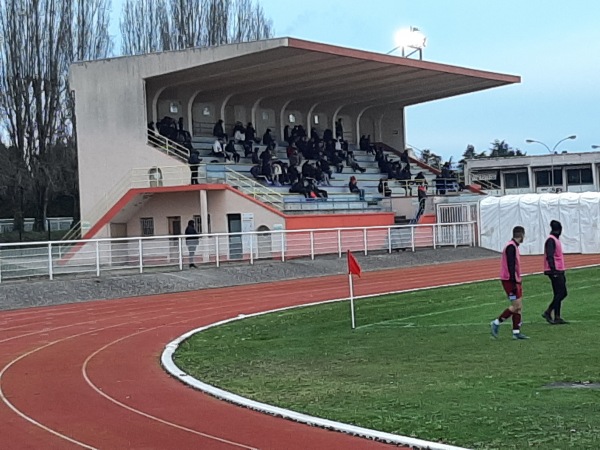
[{"x": 88, "y": 375}]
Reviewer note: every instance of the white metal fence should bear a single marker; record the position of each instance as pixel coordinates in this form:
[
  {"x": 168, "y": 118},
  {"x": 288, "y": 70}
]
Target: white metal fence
[{"x": 97, "y": 256}]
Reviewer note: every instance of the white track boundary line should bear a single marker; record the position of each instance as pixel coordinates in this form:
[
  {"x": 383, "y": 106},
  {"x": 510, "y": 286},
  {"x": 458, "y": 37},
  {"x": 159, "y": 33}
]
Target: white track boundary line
[
  {"x": 170, "y": 366},
  {"x": 84, "y": 371}
]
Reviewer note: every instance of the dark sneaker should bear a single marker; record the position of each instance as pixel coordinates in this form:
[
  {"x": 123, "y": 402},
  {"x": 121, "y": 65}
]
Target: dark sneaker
[
  {"x": 546, "y": 315},
  {"x": 559, "y": 321}
]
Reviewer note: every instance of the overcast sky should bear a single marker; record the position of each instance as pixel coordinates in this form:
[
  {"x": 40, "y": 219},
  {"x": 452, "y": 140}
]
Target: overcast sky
[{"x": 553, "y": 45}]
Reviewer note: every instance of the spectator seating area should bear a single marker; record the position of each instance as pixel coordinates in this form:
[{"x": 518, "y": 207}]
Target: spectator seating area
[
  {"x": 332, "y": 194},
  {"x": 339, "y": 197}
]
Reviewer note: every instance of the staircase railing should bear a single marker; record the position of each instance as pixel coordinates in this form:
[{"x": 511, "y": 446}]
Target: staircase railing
[
  {"x": 166, "y": 145},
  {"x": 137, "y": 178},
  {"x": 487, "y": 185},
  {"x": 254, "y": 189}
]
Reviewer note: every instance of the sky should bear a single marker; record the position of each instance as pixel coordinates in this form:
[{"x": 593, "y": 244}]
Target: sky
[{"x": 554, "y": 46}]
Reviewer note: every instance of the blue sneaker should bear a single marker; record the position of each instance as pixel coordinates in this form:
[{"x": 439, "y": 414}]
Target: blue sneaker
[
  {"x": 519, "y": 336},
  {"x": 495, "y": 328}
]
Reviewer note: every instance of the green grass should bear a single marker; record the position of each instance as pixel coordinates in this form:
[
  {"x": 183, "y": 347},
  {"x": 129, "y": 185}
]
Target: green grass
[{"x": 423, "y": 364}]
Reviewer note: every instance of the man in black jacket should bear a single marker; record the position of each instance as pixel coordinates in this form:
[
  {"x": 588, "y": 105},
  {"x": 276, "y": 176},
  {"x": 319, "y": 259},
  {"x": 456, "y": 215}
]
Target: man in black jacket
[{"x": 554, "y": 268}]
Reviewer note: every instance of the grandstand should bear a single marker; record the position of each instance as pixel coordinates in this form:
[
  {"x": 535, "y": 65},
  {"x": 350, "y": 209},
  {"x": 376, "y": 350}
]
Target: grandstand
[{"x": 136, "y": 182}]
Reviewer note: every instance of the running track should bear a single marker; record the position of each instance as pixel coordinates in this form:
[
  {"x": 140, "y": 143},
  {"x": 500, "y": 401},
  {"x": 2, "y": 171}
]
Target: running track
[{"x": 88, "y": 375}]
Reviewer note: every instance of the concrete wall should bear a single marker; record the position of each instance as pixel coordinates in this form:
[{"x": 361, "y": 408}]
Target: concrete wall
[{"x": 113, "y": 112}]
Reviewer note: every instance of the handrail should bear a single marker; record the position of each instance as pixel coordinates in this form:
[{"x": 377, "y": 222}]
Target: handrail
[
  {"x": 413, "y": 160},
  {"x": 254, "y": 189},
  {"x": 171, "y": 148},
  {"x": 487, "y": 185}
]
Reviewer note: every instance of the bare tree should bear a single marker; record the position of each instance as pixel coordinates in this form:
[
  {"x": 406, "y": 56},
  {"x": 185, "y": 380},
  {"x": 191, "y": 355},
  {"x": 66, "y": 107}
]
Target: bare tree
[
  {"x": 150, "y": 26},
  {"x": 40, "y": 40},
  {"x": 145, "y": 27}
]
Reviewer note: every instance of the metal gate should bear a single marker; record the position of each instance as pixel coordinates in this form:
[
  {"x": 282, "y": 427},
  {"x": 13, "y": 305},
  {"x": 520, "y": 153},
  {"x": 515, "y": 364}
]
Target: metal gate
[{"x": 465, "y": 213}]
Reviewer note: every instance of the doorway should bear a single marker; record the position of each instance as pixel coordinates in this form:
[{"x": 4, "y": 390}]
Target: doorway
[
  {"x": 119, "y": 250},
  {"x": 174, "y": 226},
  {"x": 234, "y": 228}
]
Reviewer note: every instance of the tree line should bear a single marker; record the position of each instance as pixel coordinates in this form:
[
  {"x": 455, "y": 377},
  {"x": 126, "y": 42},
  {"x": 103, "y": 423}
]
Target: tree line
[{"x": 40, "y": 39}]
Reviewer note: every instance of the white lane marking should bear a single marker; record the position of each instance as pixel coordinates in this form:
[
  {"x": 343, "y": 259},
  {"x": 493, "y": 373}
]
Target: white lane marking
[{"x": 84, "y": 371}]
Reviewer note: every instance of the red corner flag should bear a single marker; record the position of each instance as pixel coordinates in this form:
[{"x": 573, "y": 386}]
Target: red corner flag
[{"x": 353, "y": 266}]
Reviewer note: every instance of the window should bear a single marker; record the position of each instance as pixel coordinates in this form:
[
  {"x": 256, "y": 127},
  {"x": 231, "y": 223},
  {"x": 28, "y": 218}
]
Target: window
[
  {"x": 174, "y": 108},
  {"x": 147, "y": 226},
  {"x": 206, "y": 111},
  {"x": 579, "y": 176},
  {"x": 516, "y": 180},
  {"x": 316, "y": 120},
  {"x": 292, "y": 118},
  {"x": 543, "y": 178},
  {"x": 265, "y": 115},
  {"x": 198, "y": 224}
]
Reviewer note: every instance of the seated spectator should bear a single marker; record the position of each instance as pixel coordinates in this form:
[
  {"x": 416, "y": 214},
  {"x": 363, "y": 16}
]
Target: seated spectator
[
  {"x": 308, "y": 171},
  {"x": 218, "y": 130},
  {"x": 323, "y": 164},
  {"x": 217, "y": 149},
  {"x": 293, "y": 156},
  {"x": 363, "y": 143},
  {"x": 337, "y": 160},
  {"x": 353, "y": 186},
  {"x": 255, "y": 157},
  {"x": 286, "y": 134},
  {"x": 276, "y": 171},
  {"x": 351, "y": 162},
  {"x": 314, "y": 134},
  {"x": 266, "y": 156},
  {"x": 239, "y": 133},
  {"x": 301, "y": 131},
  {"x": 250, "y": 135},
  {"x": 267, "y": 138},
  {"x": 167, "y": 127},
  {"x": 314, "y": 190},
  {"x": 230, "y": 148},
  {"x": 180, "y": 124},
  {"x": 383, "y": 188},
  {"x": 298, "y": 187},
  {"x": 328, "y": 135},
  {"x": 293, "y": 174}
]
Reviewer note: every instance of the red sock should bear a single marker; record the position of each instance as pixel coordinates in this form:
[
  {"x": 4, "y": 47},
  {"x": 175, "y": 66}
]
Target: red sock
[
  {"x": 505, "y": 315},
  {"x": 516, "y": 319}
]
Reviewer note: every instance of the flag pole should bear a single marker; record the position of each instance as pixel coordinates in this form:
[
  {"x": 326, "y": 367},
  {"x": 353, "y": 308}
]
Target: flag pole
[{"x": 350, "y": 283}]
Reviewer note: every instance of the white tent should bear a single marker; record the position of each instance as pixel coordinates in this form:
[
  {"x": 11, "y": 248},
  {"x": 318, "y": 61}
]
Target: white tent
[{"x": 578, "y": 213}]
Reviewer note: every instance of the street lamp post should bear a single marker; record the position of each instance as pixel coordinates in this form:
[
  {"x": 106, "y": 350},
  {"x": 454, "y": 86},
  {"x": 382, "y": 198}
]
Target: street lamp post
[{"x": 552, "y": 153}]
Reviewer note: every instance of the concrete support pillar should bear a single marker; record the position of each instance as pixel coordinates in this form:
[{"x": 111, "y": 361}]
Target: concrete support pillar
[
  {"x": 531, "y": 177},
  {"x": 595, "y": 176},
  {"x": 204, "y": 210}
]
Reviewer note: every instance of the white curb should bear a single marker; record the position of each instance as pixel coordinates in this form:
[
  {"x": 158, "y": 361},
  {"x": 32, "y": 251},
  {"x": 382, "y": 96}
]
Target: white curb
[{"x": 171, "y": 368}]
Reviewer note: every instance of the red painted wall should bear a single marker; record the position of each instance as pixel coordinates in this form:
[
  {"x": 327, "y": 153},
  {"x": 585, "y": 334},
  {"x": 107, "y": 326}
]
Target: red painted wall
[{"x": 304, "y": 222}]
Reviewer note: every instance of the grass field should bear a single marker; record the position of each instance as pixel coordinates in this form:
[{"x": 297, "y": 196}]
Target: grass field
[{"x": 423, "y": 364}]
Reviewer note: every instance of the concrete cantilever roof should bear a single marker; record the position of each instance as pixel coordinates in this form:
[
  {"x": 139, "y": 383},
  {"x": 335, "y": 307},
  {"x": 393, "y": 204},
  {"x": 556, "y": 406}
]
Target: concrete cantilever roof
[{"x": 314, "y": 72}]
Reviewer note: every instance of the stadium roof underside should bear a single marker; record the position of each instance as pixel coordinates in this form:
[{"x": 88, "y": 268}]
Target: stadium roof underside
[{"x": 299, "y": 70}]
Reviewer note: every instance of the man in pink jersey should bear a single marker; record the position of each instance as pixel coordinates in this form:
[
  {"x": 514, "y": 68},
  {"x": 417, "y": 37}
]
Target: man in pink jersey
[
  {"x": 554, "y": 268},
  {"x": 510, "y": 276}
]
